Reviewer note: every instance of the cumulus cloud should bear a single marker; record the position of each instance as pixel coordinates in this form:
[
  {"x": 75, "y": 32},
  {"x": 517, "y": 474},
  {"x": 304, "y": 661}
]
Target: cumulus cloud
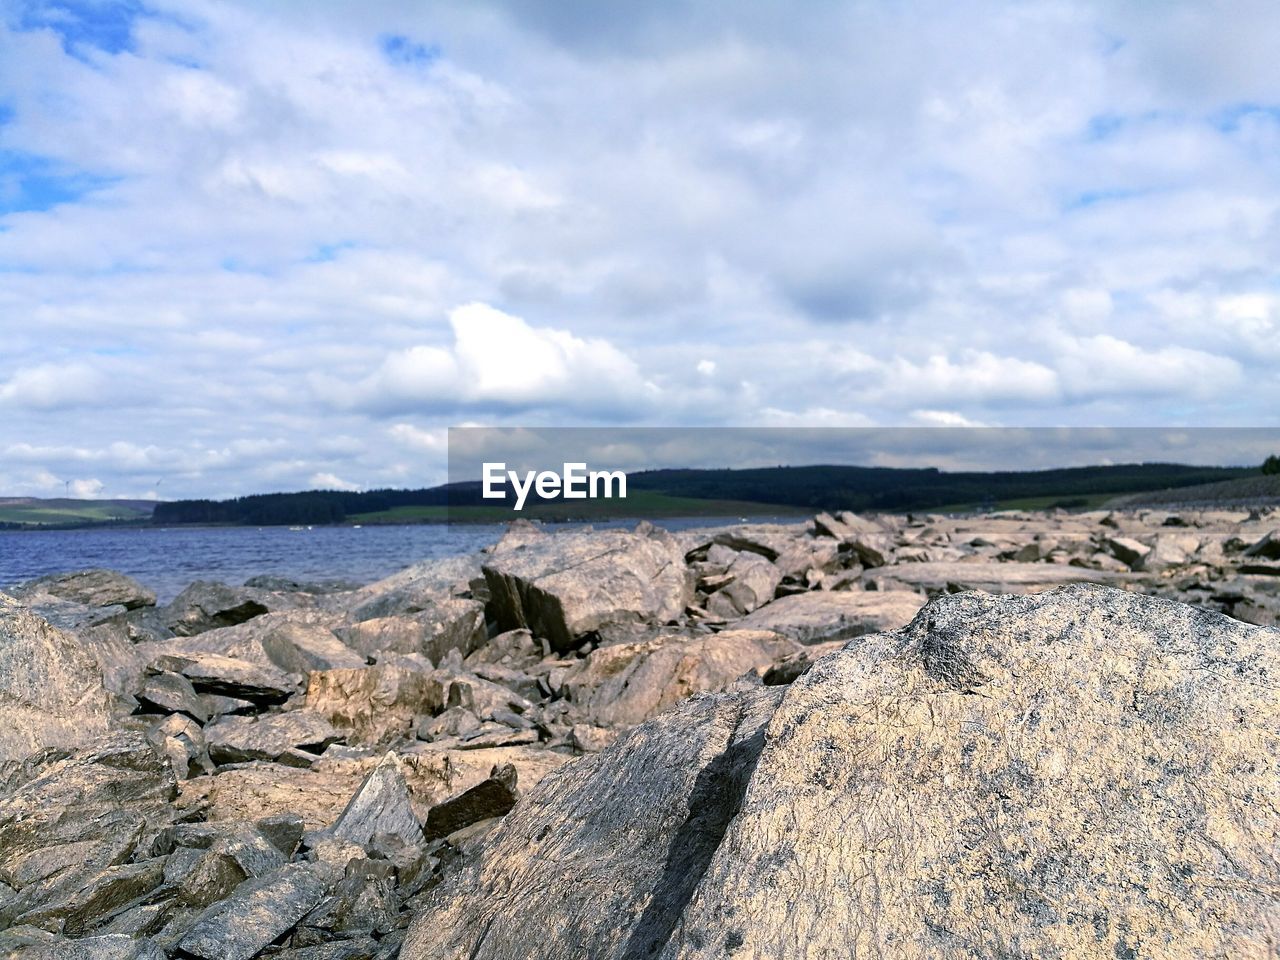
[{"x": 499, "y": 362}]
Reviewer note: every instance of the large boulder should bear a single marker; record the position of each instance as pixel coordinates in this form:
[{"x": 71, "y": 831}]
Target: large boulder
[
  {"x": 51, "y": 691},
  {"x": 821, "y": 616},
  {"x": 944, "y": 576},
  {"x": 93, "y": 588},
  {"x": 565, "y": 586},
  {"x": 208, "y": 605},
  {"x": 1086, "y": 772},
  {"x": 625, "y": 684},
  {"x": 434, "y": 630}
]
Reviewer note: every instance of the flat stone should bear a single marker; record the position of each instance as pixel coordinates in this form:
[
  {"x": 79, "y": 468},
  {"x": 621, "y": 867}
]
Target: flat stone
[{"x": 494, "y": 797}]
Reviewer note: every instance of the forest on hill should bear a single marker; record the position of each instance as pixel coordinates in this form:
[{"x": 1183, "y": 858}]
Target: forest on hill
[{"x": 818, "y": 487}]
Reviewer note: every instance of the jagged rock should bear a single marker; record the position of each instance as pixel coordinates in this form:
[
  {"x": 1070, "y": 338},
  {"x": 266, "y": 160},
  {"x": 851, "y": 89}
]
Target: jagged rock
[
  {"x": 1128, "y": 551},
  {"x": 93, "y": 588},
  {"x": 822, "y": 616},
  {"x": 1086, "y": 772},
  {"x": 207, "y": 605},
  {"x": 257, "y": 913},
  {"x": 76, "y": 904},
  {"x": 565, "y": 586},
  {"x": 412, "y": 589},
  {"x": 378, "y": 704},
  {"x": 493, "y": 797},
  {"x": 1268, "y": 548},
  {"x": 953, "y": 577},
  {"x": 279, "y": 584},
  {"x": 229, "y": 676},
  {"x": 380, "y": 806},
  {"x": 241, "y": 739},
  {"x": 51, "y": 691},
  {"x": 622, "y": 685},
  {"x": 169, "y": 692},
  {"x": 284, "y": 831},
  {"x": 80, "y": 809},
  {"x": 754, "y": 580},
  {"x": 446, "y": 625},
  {"x": 183, "y": 743},
  {"x": 363, "y": 901},
  {"x": 106, "y": 947}
]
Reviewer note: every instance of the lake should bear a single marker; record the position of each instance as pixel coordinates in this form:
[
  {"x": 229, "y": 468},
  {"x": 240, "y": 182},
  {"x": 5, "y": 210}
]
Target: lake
[{"x": 166, "y": 559}]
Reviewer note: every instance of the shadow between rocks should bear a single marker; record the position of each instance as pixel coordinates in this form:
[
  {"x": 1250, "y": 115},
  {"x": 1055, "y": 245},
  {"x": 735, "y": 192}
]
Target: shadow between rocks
[{"x": 714, "y": 801}]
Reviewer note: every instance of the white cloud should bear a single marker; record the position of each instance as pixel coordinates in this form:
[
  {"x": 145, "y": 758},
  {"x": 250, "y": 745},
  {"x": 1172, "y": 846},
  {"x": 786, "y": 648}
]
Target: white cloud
[
  {"x": 498, "y": 361},
  {"x": 328, "y": 481}
]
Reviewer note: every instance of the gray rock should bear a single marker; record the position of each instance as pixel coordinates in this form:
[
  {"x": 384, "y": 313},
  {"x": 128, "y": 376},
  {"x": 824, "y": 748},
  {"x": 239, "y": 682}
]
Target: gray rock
[
  {"x": 83, "y": 809},
  {"x": 206, "y": 605},
  {"x": 257, "y": 913},
  {"x": 1268, "y": 548},
  {"x": 284, "y": 830},
  {"x": 183, "y": 742},
  {"x": 490, "y": 798},
  {"x": 823, "y": 616},
  {"x": 241, "y": 739},
  {"x": 754, "y": 580},
  {"x": 75, "y": 905},
  {"x": 994, "y": 774},
  {"x": 229, "y": 676},
  {"x": 620, "y": 686},
  {"x": 565, "y": 586},
  {"x": 108, "y": 947},
  {"x": 381, "y": 806},
  {"x": 445, "y": 625},
  {"x": 168, "y": 692},
  {"x": 51, "y": 691},
  {"x": 93, "y": 588}
]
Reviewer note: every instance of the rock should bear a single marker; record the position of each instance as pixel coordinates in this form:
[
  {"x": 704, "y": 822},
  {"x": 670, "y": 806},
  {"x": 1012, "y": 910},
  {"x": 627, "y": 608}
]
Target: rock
[
  {"x": 284, "y": 831},
  {"x": 107, "y": 947},
  {"x": 1128, "y": 551},
  {"x": 241, "y": 739},
  {"x": 1268, "y": 548},
  {"x": 622, "y": 685},
  {"x": 82, "y": 809},
  {"x": 206, "y": 605},
  {"x": 447, "y": 625},
  {"x": 754, "y": 580},
  {"x": 376, "y": 705},
  {"x": 93, "y": 588},
  {"x": 257, "y": 913},
  {"x": 953, "y": 577},
  {"x": 78, "y": 904},
  {"x": 588, "y": 850},
  {"x": 492, "y": 798},
  {"x": 229, "y": 676},
  {"x": 183, "y": 743},
  {"x": 822, "y": 616},
  {"x": 169, "y": 692},
  {"x": 413, "y": 589},
  {"x": 51, "y": 691},
  {"x": 566, "y": 586},
  {"x": 380, "y": 807},
  {"x": 1085, "y": 772}
]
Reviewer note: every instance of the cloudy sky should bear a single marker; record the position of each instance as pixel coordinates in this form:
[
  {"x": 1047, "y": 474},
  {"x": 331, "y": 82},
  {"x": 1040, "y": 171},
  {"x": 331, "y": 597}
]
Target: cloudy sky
[{"x": 262, "y": 246}]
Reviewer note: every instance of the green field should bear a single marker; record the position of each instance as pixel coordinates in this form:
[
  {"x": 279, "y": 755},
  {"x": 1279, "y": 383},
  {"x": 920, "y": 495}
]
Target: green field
[
  {"x": 64, "y": 512},
  {"x": 642, "y": 503}
]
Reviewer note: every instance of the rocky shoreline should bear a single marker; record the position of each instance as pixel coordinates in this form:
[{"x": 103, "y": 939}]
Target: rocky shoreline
[{"x": 1017, "y": 734}]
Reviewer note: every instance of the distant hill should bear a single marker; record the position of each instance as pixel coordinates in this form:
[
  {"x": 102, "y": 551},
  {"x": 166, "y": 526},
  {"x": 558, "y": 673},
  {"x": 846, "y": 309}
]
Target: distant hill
[
  {"x": 1246, "y": 491},
  {"x": 723, "y": 492},
  {"x": 20, "y": 512}
]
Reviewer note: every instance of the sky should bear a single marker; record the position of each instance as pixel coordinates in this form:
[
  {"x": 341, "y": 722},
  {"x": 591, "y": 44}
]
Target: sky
[{"x": 273, "y": 246}]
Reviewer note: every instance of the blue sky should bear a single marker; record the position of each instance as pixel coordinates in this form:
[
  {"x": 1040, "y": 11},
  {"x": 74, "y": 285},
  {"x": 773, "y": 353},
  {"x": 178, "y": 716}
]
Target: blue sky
[{"x": 260, "y": 246}]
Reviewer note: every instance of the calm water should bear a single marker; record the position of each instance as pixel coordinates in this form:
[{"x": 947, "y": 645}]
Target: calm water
[{"x": 166, "y": 559}]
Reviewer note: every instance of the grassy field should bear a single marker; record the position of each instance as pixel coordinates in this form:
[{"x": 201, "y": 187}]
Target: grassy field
[
  {"x": 642, "y": 503},
  {"x": 29, "y": 511}
]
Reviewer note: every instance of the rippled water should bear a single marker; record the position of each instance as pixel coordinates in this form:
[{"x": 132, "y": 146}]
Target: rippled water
[{"x": 166, "y": 559}]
